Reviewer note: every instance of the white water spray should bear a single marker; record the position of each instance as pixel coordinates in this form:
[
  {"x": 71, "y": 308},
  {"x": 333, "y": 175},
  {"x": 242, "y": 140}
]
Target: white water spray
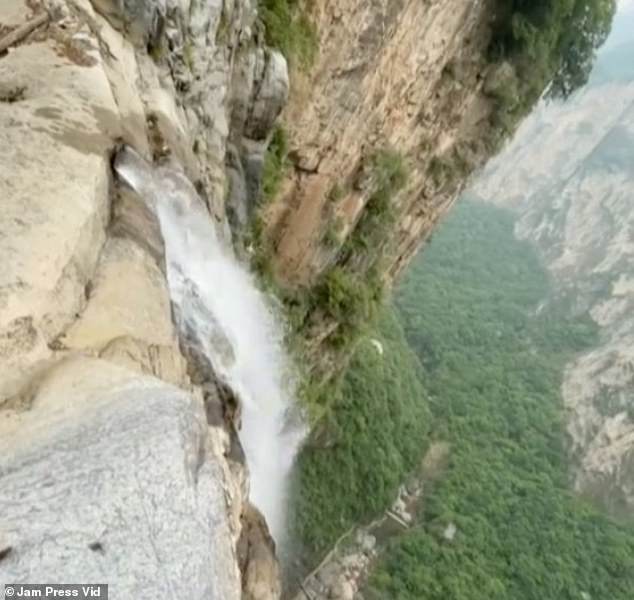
[{"x": 217, "y": 298}]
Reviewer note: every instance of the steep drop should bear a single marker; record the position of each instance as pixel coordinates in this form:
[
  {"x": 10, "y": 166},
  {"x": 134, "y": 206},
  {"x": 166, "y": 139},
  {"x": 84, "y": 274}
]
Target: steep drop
[{"x": 216, "y": 298}]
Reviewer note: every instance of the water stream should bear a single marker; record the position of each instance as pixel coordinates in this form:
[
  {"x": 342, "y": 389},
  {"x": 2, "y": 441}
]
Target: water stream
[{"x": 216, "y": 296}]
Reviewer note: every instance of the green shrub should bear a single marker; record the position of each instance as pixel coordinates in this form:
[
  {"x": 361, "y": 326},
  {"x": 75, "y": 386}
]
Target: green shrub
[
  {"x": 330, "y": 237},
  {"x": 275, "y": 164},
  {"x": 389, "y": 171},
  {"x": 439, "y": 169},
  {"x": 551, "y": 45},
  {"x": 350, "y": 300},
  {"x": 552, "y": 41},
  {"x": 289, "y": 30},
  {"x": 389, "y": 176},
  {"x": 336, "y": 193}
]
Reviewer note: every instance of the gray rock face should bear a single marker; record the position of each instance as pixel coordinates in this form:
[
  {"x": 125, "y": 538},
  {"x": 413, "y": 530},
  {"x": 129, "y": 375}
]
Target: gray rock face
[
  {"x": 260, "y": 88},
  {"x": 112, "y": 478},
  {"x": 230, "y": 89},
  {"x": 270, "y": 95},
  {"x": 140, "y": 19}
]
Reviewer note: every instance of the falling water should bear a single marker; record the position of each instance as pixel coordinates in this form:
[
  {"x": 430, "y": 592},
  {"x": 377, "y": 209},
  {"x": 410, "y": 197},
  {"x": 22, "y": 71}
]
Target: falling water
[{"x": 215, "y": 296}]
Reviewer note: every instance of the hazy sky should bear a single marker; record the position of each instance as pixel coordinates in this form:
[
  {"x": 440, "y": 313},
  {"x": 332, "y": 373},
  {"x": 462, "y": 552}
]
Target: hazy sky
[{"x": 623, "y": 26}]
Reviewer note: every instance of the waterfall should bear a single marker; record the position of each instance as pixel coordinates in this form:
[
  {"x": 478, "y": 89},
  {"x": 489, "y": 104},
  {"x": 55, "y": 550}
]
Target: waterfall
[{"x": 215, "y": 296}]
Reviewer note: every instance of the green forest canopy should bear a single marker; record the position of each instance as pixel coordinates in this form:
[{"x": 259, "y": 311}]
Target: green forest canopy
[
  {"x": 492, "y": 366},
  {"x": 370, "y": 441}
]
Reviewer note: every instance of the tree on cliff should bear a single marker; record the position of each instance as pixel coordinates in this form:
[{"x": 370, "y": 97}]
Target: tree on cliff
[
  {"x": 553, "y": 41},
  {"x": 591, "y": 21}
]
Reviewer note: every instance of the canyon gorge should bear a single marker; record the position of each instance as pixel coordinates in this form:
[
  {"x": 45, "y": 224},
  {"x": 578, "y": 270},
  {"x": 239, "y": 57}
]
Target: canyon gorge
[{"x": 204, "y": 202}]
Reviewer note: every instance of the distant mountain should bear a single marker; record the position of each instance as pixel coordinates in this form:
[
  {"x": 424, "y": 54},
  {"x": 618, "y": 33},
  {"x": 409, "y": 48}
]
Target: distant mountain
[{"x": 569, "y": 175}]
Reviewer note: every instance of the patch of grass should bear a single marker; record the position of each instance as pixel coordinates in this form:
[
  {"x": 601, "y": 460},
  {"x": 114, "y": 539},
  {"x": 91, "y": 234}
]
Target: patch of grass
[
  {"x": 331, "y": 237},
  {"x": 223, "y": 30},
  {"x": 389, "y": 172},
  {"x": 290, "y": 31},
  {"x": 275, "y": 164},
  {"x": 188, "y": 54}
]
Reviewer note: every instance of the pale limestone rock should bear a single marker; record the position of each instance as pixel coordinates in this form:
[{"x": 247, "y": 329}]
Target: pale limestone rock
[
  {"x": 164, "y": 362},
  {"x": 367, "y": 542},
  {"x": 122, "y": 69},
  {"x": 112, "y": 478},
  {"x": 54, "y": 211},
  {"x": 140, "y": 20},
  {"x": 128, "y": 297},
  {"x": 85, "y": 276},
  {"x": 270, "y": 97},
  {"x": 256, "y": 553},
  {"x": 342, "y": 591}
]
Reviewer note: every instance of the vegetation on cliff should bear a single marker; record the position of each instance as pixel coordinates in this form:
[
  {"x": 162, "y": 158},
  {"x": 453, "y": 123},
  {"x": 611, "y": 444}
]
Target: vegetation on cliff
[
  {"x": 388, "y": 175},
  {"x": 492, "y": 366},
  {"x": 275, "y": 164},
  {"x": 491, "y": 362},
  {"x": 345, "y": 298},
  {"x": 289, "y": 29},
  {"x": 551, "y": 45},
  {"x": 533, "y": 45},
  {"x": 370, "y": 439}
]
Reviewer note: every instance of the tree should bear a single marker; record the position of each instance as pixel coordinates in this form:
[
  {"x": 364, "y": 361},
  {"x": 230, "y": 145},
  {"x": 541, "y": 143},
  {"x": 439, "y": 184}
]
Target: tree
[
  {"x": 552, "y": 42},
  {"x": 590, "y": 25}
]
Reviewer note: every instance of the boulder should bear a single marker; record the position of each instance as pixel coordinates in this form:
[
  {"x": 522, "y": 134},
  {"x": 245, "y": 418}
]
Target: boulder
[
  {"x": 271, "y": 94},
  {"x": 256, "y": 553},
  {"x": 367, "y": 542},
  {"x": 112, "y": 477},
  {"x": 343, "y": 590}
]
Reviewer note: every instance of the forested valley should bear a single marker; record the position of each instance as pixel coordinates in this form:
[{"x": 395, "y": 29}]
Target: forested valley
[{"x": 474, "y": 350}]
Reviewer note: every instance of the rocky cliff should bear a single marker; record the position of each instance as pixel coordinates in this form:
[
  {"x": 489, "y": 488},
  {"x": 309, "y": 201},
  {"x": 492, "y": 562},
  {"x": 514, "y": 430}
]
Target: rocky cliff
[
  {"x": 406, "y": 77},
  {"x": 120, "y": 457},
  {"x": 569, "y": 175}
]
